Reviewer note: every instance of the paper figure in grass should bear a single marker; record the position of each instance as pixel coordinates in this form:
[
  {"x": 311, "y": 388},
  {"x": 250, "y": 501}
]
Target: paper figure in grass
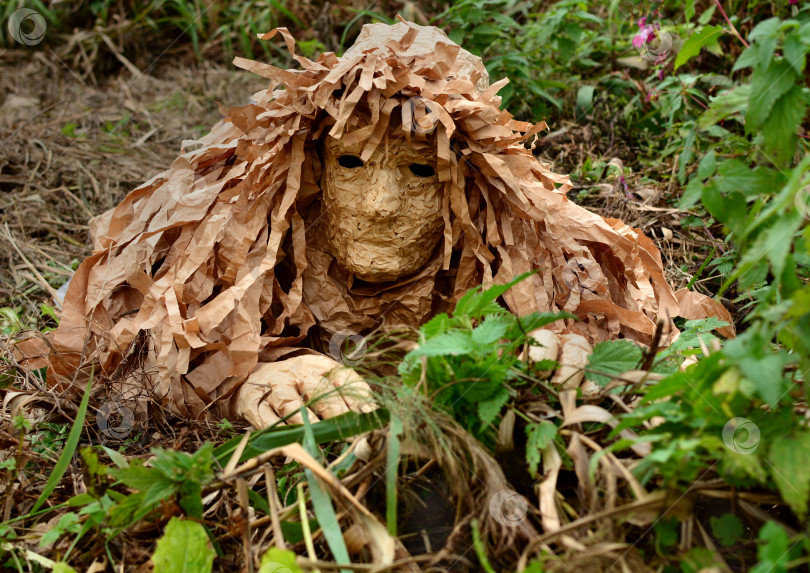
[{"x": 361, "y": 192}]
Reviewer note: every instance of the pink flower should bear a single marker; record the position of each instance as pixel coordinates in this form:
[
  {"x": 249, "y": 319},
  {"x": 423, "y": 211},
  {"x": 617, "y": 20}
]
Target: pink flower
[
  {"x": 642, "y": 21},
  {"x": 645, "y": 34}
]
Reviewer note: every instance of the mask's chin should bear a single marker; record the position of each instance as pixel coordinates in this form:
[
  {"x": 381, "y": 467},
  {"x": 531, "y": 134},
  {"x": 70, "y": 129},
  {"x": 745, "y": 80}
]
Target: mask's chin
[{"x": 376, "y": 265}]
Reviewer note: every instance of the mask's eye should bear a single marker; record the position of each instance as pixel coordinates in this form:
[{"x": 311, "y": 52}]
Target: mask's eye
[
  {"x": 421, "y": 170},
  {"x": 350, "y": 161}
]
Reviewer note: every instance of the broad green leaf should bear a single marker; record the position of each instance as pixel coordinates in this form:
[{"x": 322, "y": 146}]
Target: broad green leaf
[
  {"x": 476, "y": 303},
  {"x": 63, "y": 568},
  {"x": 449, "y": 343},
  {"x": 707, "y": 36},
  {"x": 184, "y": 548},
  {"x": 767, "y": 86},
  {"x": 726, "y": 104},
  {"x": 492, "y": 329},
  {"x": 610, "y": 358},
  {"x": 539, "y": 436},
  {"x": 728, "y": 528},
  {"x": 789, "y": 457},
  {"x": 277, "y": 560},
  {"x": 488, "y": 410},
  {"x": 779, "y": 133},
  {"x": 794, "y": 52},
  {"x": 584, "y": 104},
  {"x": 773, "y": 551}
]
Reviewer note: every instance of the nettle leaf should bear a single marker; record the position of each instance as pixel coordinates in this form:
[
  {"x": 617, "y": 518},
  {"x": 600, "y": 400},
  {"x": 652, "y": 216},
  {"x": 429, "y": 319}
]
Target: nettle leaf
[
  {"x": 780, "y": 135},
  {"x": 767, "y": 86},
  {"x": 728, "y": 528},
  {"x": 489, "y": 410},
  {"x": 612, "y": 357},
  {"x": 492, "y": 329},
  {"x": 439, "y": 324},
  {"x": 727, "y": 103},
  {"x": 790, "y": 458},
  {"x": 765, "y": 34},
  {"x": 449, "y": 343},
  {"x": 184, "y": 548},
  {"x": 476, "y": 303},
  {"x": 706, "y": 37},
  {"x": 539, "y": 436},
  {"x": 794, "y": 52}
]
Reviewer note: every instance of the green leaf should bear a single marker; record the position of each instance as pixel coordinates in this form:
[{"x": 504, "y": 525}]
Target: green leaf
[
  {"x": 726, "y": 104},
  {"x": 279, "y": 561},
  {"x": 492, "y": 329},
  {"x": 391, "y": 473},
  {"x": 584, "y": 104},
  {"x": 338, "y": 428},
  {"x": 184, "y": 548},
  {"x": 706, "y": 37},
  {"x": 450, "y": 343},
  {"x": 488, "y": 410},
  {"x": 323, "y": 508},
  {"x": 728, "y": 528},
  {"x": 790, "y": 458},
  {"x": 794, "y": 52},
  {"x": 610, "y": 358},
  {"x": 539, "y": 436},
  {"x": 476, "y": 303},
  {"x": 68, "y": 523},
  {"x": 774, "y": 553},
  {"x": 779, "y": 135},
  {"x": 766, "y": 87},
  {"x": 63, "y": 568}
]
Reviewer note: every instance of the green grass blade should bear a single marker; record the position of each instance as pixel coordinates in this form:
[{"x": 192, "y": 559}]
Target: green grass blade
[
  {"x": 337, "y": 428},
  {"x": 322, "y": 503},
  {"x": 70, "y": 448}
]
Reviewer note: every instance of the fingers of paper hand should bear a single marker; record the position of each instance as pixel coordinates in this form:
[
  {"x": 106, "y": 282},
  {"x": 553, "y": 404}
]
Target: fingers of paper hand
[{"x": 279, "y": 389}]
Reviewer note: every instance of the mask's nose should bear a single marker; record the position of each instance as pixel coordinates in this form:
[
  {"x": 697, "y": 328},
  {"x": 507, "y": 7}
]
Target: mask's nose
[{"x": 382, "y": 198}]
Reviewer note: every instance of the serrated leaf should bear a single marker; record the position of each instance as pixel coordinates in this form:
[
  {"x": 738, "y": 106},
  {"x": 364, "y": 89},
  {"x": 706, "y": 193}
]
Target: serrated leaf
[
  {"x": 774, "y": 553},
  {"x": 488, "y": 410},
  {"x": 449, "y": 343},
  {"x": 492, "y": 329},
  {"x": 610, "y": 358},
  {"x": 794, "y": 52},
  {"x": 790, "y": 457},
  {"x": 476, "y": 302},
  {"x": 184, "y": 548},
  {"x": 727, "y": 103},
  {"x": 538, "y": 437},
  {"x": 439, "y": 324},
  {"x": 706, "y": 37},
  {"x": 728, "y": 528},
  {"x": 767, "y": 86},
  {"x": 779, "y": 136}
]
